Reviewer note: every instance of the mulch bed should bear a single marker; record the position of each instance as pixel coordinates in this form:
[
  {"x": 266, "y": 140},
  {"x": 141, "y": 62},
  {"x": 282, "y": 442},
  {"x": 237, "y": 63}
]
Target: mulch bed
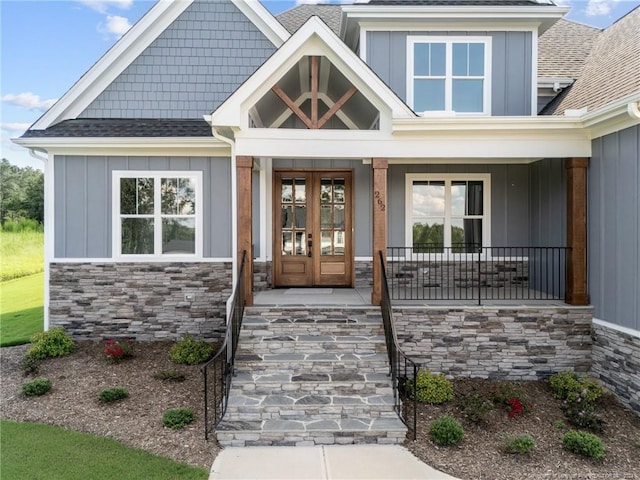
[
  {"x": 137, "y": 421},
  {"x": 481, "y": 454}
]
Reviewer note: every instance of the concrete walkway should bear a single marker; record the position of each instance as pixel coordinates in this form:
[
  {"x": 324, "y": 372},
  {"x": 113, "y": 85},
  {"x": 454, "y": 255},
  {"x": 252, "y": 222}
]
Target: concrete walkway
[{"x": 332, "y": 462}]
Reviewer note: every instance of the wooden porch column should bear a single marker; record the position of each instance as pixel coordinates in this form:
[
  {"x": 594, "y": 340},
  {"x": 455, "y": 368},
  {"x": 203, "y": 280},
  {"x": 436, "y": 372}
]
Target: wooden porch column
[
  {"x": 244, "y": 177},
  {"x": 576, "y": 293},
  {"x": 379, "y": 166}
]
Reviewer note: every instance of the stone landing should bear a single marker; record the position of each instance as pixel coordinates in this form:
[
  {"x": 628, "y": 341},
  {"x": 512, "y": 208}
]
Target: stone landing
[{"x": 311, "y": 376}]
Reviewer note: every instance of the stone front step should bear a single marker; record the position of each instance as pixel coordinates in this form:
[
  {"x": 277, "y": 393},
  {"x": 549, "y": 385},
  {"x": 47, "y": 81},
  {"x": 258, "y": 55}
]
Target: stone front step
[
  {"x": 302, "y": 406},
  {"x": 263, "y": 342},
  {"x": 308, "y": 376},
  {"x": 280, "y": 432}
]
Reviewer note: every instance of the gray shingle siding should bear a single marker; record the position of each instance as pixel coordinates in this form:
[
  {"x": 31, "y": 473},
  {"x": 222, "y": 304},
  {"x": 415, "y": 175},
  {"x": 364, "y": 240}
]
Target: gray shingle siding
[{"x": 190, "y": 69}]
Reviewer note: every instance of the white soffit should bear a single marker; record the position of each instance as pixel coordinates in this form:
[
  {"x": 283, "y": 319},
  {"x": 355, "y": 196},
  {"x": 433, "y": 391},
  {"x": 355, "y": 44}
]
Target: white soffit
[{"x": 313, "y": 38}]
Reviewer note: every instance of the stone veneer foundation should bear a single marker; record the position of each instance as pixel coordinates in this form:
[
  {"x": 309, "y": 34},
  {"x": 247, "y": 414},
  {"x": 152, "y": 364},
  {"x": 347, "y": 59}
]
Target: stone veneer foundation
[
  {"x": 616, "y": 362},
  {"x": 141, "y": 301},
  {"x": 514, "y": 343}
]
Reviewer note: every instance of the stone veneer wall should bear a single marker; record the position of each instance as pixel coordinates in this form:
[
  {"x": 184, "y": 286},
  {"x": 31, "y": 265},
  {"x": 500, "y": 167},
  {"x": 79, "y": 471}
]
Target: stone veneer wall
[
  {"x": 364, "y": 274},
  {"x": 515, "y": 343},
  {"x": 261, "y": 276},
  {"x": 142, "y": 301},
  {"x": 616, "y": 362}
]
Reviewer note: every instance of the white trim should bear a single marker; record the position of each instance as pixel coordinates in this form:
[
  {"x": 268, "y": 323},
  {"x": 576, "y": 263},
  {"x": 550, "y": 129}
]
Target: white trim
[
  {"x": 534, "y": 73},
  {"x": 116, "y": 238},
  {"x": 134, "y": 146},
  {"x": 412, "y": 40},
  {"x": 114, "y": 62},
  {"x": 49, "y": 231},
  {"x": 144, "y": 260},
  {"x": 264, "y": 20},
  {"x": 363, "y": 44},
  {"x": 448, "y": 178},
  {"x": 619, "y": 328},
  {"x": 425, "y": 27}
]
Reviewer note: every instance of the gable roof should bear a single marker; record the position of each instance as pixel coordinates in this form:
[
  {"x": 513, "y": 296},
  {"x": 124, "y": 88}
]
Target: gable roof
[
  {"x": 123, "y": 127},
  {"x": 564, "y": 48},
  {"x": 293, "y": 19},
  {"x": 510, "y": 3},
  {"x": 313, "y": 38},
  {"x": 611, "y": 70},
  {"x": 132, "y": 44}
]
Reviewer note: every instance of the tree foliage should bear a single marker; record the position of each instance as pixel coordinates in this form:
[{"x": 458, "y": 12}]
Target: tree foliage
[{"x": 21, "y": 193}]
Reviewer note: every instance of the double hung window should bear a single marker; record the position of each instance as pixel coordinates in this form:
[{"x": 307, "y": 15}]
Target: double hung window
[
  {"x": 449, "y": 74},
  {"x": 157, "y": 213},
  {"x": 448, "y": 212}
]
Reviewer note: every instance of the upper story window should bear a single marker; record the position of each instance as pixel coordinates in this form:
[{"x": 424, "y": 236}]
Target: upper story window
[
  {"x": 449, "y": 74},
  {"x": 157, "y": 214}
]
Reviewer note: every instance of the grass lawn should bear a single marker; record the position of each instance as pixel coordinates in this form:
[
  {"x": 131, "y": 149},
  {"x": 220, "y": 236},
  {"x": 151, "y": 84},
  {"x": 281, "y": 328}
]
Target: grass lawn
[
  {"x": 21, "y": 254},
  {"x": 37, "y": 451},
  {"x": 21, "y": 309}
]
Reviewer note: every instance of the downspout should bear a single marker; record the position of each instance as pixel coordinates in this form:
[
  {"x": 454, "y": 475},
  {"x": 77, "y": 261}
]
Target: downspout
[
  {"x": 234, "y": 209},
  {"x": 48, "y": 228}
]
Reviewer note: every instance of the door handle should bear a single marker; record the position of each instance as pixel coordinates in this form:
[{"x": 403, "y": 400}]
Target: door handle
[{"x": 309, "y": 245}]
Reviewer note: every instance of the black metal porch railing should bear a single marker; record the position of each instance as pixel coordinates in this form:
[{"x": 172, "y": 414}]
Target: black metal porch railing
[
  {"x": 401, "y": 367},
  {"x": 218, "y": 371},
  {"x": 474, "y": 273}
]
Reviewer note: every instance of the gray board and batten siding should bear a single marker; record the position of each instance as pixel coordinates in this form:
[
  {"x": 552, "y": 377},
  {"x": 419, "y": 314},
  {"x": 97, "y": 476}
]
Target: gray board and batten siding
[
  {"x": 190, "y": 69},
  {"x": 83, "y": 201},
  {"x": 527, "y": 201},
  {"x": 614, "y": 228},
  {"x": 511, "y": 60}
]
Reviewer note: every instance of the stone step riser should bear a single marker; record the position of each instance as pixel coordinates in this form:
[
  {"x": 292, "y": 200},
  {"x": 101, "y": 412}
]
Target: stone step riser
[
  {"x": 275, "y": 368},
  {"x": 306, "y": 439},
  {"x": 275, "y": 348},
  {"x": 309, "y": 413},
  {"x": 329, "y": 389}
]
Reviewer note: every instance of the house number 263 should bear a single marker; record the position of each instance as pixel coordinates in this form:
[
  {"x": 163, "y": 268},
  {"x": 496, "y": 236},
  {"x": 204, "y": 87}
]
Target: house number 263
[{"x": 379, "y": 201}]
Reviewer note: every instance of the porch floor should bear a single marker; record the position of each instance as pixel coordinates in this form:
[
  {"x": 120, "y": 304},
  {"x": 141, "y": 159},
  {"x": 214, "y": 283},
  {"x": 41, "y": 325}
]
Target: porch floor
[{"x": 362, "y": 297}]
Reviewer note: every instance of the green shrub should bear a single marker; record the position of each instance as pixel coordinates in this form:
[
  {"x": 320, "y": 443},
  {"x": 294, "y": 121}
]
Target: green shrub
[
  {"x": 569, "y": 385},
  {"x": 446, "y": 430},
  {"x": 430, "y": 388},
  {"x": 521, "y": 444},
  {"x": 36, "y": 387},
  {"x": 54, "y": 343},
  {"x": 190, "y": 351},
  {"x": 580, "y": 399},
  {"x": 583, "y": 443},
  {"x": 178, "y": 418},
  {"x": 169, "y": 376},
  {"x": 112, "y": 395},
  {"x": 31, "y": 365},
  {"x": 474, "y": 407}
]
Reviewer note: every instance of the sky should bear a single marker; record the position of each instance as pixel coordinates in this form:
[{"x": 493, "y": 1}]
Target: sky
[{"x": 47, "y": 45}]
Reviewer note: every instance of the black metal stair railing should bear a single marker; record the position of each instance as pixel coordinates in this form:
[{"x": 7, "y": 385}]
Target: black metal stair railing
[
  {"x": 218, "y": 371},
  {"x": 401, "y": 367},
  {"x": 471, "y": 273}
]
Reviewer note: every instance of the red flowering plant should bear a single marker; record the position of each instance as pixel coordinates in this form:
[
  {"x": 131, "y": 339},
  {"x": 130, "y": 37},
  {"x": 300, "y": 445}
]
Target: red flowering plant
[
  {"x": 115, "y": 350},
  {"x": 513, "y": 397}
]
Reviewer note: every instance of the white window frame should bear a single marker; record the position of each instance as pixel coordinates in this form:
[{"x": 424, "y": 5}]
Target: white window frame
[
  {"x": 448, "y": 89},
  {"x": 448, "y": 179},
  {"x": 157, "y": 175}
]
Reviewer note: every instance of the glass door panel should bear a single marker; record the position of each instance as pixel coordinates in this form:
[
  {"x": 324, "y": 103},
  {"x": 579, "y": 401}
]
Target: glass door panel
[
  {"x": 332, "y": 224},
  {"x": 293, "y": 217}
]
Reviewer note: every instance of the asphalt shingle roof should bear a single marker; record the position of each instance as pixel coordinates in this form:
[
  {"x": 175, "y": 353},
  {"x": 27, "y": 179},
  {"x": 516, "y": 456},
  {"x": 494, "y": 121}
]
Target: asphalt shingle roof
[
  {"x": 120, "y": 127},
  {"x": 293, "y": 19},
  {"x": 564, "y": 48},
  {"x": 610, "y": 71}
]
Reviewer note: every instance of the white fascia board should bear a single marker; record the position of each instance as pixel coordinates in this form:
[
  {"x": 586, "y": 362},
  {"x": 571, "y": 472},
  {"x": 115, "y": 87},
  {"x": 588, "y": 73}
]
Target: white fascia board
[
  {"x": 440, "y": 142},
  {"x": 503, "y": 125},
  {"x": 615, "y": 116},
  {"x": 264, "y": 20},
  {"x": 113, "y": 63},
  {"x": 135, "y": 146},
  {"x": 417, "y": 27},
  {"x": 313, "y": 38}
]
